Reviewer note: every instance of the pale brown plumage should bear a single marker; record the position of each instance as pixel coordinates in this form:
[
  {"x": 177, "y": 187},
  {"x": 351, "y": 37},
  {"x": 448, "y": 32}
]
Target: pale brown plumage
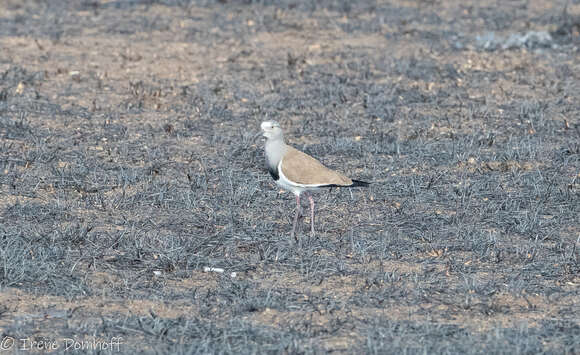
[
  {"x": 298, "y": 172},
  {"x": 301, "y": 168}
]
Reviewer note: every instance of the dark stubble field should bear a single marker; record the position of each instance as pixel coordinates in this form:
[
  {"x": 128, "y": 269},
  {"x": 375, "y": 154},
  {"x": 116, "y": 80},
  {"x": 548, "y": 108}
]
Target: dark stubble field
[{"x": 128, "y": 167}]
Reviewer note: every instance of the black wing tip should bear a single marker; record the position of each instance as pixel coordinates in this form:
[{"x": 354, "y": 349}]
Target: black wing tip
[
  {"x": 355, "y": 183},
  {"x": 359, "y": 183}
]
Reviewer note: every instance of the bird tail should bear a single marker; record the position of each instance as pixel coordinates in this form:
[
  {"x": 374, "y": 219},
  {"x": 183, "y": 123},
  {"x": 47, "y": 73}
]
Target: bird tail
[{"x": 358, "y": 183}]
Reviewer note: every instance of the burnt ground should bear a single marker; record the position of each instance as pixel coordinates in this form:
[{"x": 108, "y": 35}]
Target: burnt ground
[{"x": 128, "y": 165}]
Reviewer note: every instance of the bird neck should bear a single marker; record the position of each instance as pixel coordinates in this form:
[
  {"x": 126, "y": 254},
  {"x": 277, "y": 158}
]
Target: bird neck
[{"x": 275, "y": 149}]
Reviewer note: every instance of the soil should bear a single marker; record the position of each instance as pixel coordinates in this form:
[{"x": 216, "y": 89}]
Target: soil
[{"x": 129, "y": 168}]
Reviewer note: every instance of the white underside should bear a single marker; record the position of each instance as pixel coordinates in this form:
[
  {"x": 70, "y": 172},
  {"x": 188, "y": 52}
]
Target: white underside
[{"x": 295, "y": 187}]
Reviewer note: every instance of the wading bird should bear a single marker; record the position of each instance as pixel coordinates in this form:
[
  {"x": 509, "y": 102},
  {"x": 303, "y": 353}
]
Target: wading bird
[{"x": 298, "y": 172}]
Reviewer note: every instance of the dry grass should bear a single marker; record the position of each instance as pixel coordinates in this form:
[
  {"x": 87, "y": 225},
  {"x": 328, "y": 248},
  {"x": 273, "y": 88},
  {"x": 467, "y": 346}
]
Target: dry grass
[{"x": 127, "y": 166}]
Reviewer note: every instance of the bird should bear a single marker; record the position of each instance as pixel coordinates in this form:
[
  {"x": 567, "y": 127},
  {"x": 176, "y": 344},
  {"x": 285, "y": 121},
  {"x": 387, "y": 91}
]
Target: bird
[{"x": 298, "y": 172}]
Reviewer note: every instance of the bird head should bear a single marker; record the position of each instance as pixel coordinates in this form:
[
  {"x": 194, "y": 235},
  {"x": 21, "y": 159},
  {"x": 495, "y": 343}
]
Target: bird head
[{"x": 271, "y": 130}]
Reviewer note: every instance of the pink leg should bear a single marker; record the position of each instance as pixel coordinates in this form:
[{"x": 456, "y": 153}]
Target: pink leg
[
  {"x": 311, "y": 214},
  {"x": 293, "y": 233}
]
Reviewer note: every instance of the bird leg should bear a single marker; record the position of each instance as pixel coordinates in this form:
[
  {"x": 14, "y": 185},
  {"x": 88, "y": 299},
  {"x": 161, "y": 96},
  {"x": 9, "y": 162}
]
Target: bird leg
[
  {"x": 311, "y": 199},
  {"x": 293, "y": 233}
]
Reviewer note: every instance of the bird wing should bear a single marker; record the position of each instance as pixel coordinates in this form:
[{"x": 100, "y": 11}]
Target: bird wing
[{"x": 303, "y": 169}]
